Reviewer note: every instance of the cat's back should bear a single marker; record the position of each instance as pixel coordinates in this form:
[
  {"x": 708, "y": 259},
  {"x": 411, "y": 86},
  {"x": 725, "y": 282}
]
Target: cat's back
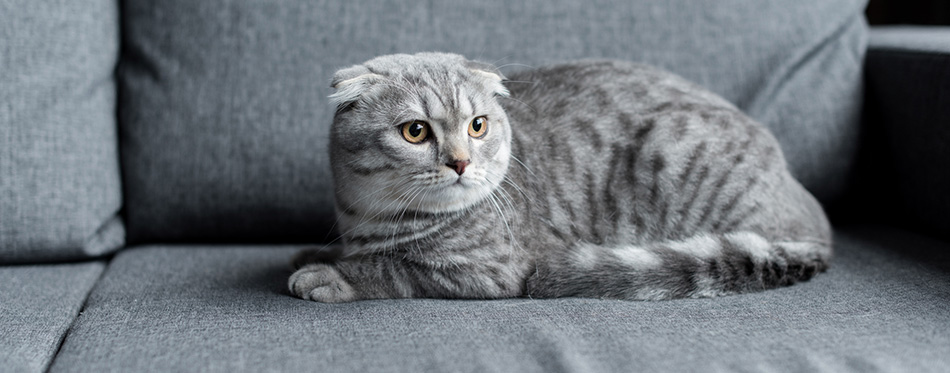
[
  {"x": 611, "y": 146},
  {"x": 581, "y": 112},
  {"x": 596, "y": 106},
  {"x": 590, "y": 90}
]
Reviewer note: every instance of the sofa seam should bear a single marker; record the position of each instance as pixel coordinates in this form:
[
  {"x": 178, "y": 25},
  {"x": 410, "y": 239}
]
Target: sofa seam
[{"x": 77, "y": 315}]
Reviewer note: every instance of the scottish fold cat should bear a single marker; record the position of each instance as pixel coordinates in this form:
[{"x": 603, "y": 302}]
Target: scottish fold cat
[{"x": 599, "y": 179}]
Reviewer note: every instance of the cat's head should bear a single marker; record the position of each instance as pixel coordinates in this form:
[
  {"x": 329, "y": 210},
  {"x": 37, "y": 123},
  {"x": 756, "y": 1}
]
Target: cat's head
[{"x": 420, "y": 132}]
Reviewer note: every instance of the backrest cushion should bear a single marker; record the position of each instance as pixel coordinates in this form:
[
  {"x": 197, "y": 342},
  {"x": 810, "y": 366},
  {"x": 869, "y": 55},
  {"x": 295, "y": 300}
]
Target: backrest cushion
[
  {"x": 60, "y": 190},
  {"x": 224, "y": 112}
]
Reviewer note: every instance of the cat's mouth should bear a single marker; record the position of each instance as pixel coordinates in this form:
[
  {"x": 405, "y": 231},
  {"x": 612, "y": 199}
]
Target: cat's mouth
[
  {"x": 448, "y": 191},
  {"x": 459, "y": 186},
  {"x": 464, "y": 180},
  {"x": 455, "y": 183}
]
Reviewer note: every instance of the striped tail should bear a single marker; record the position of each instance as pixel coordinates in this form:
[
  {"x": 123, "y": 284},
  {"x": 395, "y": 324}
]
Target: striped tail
[{"x": 706, "y": 265}]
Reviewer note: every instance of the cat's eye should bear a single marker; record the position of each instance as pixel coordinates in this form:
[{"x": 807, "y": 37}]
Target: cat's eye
[
  {"x": 478, "y": 127},
  {"x": 415, "y": 131}
]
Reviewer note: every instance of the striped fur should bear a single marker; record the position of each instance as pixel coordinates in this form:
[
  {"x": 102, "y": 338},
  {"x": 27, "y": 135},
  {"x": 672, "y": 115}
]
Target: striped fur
[{"x": 595, "y": 179}]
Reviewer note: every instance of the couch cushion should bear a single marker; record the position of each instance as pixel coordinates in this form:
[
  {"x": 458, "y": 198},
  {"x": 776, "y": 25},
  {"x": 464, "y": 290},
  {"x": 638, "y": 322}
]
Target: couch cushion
[
  {"x": 882, "y": 307},
  {"x": 38, "y": 303},
  {"x": 224, "y": 112},
  {"x": 59, "y": 165}
]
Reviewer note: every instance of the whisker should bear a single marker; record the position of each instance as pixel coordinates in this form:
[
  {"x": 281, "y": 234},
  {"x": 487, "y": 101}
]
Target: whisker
[
  {"x": 504, "y": 219},
  {"x": 533, "y": 110},
  {"x": 523, "y": 165},
  {"x": 416, "y": 217},
  {"x": 397, "y": 220},
  {"x": 517, "y": 65},
  {"x": 363, "y": 219}
]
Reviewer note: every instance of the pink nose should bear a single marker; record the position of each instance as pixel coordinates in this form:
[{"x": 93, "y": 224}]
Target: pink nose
[{"x": 458, "y": 166}]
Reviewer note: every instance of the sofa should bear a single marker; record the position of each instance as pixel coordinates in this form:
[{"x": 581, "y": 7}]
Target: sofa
[{"x": 162, "y": 161}]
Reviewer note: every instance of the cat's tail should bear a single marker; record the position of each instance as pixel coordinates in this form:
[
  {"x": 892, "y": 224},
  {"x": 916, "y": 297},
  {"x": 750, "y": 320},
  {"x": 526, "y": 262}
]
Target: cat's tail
[{"x": 705, "y": 265}]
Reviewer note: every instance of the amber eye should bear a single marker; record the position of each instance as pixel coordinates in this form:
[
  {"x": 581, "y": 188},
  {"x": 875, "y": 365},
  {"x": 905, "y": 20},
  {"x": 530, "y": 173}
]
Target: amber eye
[
  {"x": 415, "y": 131},
  {"x": 478, "y": 127}
]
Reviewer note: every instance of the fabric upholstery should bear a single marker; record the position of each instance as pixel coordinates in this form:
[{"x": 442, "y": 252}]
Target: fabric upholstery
[
  {"x": 224, "y": 113},
  {"x": 882, "y": 307},
  {"x": 908, "y": 111},
  {"x": 59, "y": 165},
  {"x": 38, "y": 303}
]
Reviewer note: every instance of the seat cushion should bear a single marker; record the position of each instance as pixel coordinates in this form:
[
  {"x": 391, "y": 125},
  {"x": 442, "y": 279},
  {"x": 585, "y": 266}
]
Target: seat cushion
[
  {"x": 224, "y": 113},
  {"x": 59, "y": 164},
  {"x": 882, "y": 307},
  {"x": 38, "y": 303}
]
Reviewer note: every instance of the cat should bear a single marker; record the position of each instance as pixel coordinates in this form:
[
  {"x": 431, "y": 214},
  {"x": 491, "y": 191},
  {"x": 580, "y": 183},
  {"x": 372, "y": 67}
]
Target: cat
[{"x": 600, "y": 179}]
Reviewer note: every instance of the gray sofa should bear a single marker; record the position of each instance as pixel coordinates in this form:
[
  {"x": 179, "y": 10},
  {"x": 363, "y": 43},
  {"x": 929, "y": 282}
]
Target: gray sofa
[{"x": 160, "y": 162}]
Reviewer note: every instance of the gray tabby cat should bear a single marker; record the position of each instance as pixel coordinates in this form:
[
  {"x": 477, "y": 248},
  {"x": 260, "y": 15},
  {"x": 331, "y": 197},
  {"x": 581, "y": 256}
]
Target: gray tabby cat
[{"x": 593, "y": 179}]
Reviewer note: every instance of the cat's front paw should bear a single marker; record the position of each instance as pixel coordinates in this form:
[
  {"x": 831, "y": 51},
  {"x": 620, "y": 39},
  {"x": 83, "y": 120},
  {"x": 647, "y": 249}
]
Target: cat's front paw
[{"x": 321, "y": 283}]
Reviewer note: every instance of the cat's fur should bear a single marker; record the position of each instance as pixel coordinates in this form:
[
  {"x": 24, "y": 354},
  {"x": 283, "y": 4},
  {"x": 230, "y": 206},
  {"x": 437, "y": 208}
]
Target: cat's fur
[{"x": 595, "y": 179}]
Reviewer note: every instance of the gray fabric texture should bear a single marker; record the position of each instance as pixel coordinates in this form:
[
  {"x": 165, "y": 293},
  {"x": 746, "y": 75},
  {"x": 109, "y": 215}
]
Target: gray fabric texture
[
  {"x": 882, "y": 307},
  {"x": 908, "y": 137},
  {"x": 38, "y": 303},
  {"x": 59, "y": 164},
  {"x": 224, "y": 113}
]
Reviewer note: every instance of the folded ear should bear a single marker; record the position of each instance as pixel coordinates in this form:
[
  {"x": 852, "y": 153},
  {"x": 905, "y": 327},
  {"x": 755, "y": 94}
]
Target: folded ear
[
  {"x": 350, "y": 83},
  {"x": 491, "y": 75}
]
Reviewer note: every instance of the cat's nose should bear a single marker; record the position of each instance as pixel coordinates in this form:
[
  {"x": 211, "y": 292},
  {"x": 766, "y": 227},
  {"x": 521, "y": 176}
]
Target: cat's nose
[{"x": 458, "y": 166}]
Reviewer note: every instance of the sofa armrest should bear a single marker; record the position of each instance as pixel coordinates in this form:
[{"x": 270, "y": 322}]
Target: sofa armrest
[{"x": 904, "y": 172}]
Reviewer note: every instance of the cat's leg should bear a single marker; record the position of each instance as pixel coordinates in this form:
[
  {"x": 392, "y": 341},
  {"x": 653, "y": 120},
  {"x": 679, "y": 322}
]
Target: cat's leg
[
  {"x": 383, "y": 276},
  {"x": 704, "y": 265}
]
